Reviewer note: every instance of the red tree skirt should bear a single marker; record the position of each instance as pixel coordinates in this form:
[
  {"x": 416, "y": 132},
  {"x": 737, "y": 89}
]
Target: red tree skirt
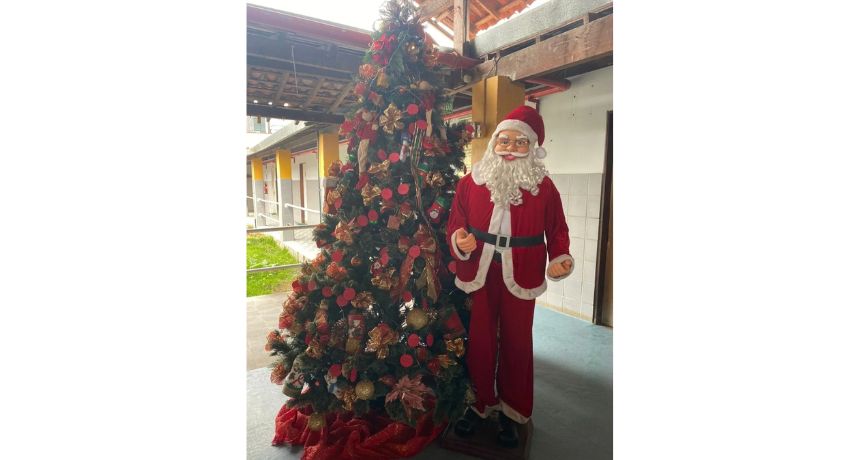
[{"x": 372, "y": 437}]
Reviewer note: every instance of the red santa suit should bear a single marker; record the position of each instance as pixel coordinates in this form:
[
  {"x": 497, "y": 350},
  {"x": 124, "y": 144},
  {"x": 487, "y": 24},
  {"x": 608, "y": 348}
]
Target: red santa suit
[{"x": 503, "y": 288}]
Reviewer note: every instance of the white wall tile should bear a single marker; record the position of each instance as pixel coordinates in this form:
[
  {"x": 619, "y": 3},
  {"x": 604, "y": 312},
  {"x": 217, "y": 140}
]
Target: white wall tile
[
  {"x": 577, "y": 249},
  {"x": 576, "y": 225},
  {"x": 587, "y": 294},
  {"x": 590, "y": 250},
  {"x": 579, "y": 184},
  {"x": 586, "y": 311},
  {"x": 554, "y": 287},
  {"x": 553, "y": 299},
  {"x": 589, "y": 272},
  {"x": 565, "y": 203},
  {"x": 578, "y": 205},
  {"x": 593, "y": 206},
  {"x": 570, "y": 305},
  {"x": 592, "y": 228},
  {"x": 594, "y": 183},
  {"x": 572, "y": 287},
  {"x": 562, "y": 182}
]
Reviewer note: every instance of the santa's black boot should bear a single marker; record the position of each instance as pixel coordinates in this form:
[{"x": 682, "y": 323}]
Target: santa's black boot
[
  {"x": 467, "y": 423},
  {"x": 508, "y": 436}
]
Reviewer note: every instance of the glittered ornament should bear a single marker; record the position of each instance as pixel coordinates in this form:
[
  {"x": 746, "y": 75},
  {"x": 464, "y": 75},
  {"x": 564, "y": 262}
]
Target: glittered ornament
[
  {"x": 417, "y": 318},
  {"x": 364, "y": 390},
  {"x": 391, "y": 119},
  {"x": 407, "y": 360},
  {"x": 316, "y": 422}
]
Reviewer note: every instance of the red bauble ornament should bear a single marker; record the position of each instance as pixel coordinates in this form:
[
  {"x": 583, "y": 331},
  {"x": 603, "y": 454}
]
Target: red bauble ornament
[
  {"x": 348, "y": 293},
  {"x": 412, "y": 109},
  {"x": 413, "y": 340},
  {"x": 342, "y": 301},
  {"x": 334, "y": 370},
  {"x": 312, "y": 285},
  {"x": 326, "y": 291},
  {"x": 414, "y": 251},
  {"x": 387, "y": 193},
  {"x": 407, "y": 296},
  {"x": 373, "y": 215},
  {"x": 297, "y": 287},
  {"x": 353, "y": 375},
  {"x": 429, "y": 340},
  {"x": 403, "y": 189},
  {"x": 362, "y": 221},
  {"x": 383, "y": 256},
  {"x": 406, "y": 360},
  {"x": 394, "y": 157},
  {"x": 452, "y": 266},
  {"x": 337, "y": 256},
  {"x": 381, "y": 155},
  {"x": 421, "y": 124}
]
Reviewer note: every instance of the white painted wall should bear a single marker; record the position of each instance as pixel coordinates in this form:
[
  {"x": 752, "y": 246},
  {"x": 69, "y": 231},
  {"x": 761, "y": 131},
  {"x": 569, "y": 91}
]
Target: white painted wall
[{"x": 575, "y": 124}]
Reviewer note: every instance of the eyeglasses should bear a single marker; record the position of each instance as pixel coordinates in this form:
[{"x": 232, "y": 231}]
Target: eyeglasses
[{"x": 505, "y": 142}]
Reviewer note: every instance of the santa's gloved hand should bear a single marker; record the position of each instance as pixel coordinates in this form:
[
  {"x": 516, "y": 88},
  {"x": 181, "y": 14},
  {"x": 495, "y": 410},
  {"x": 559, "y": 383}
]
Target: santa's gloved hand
[
  {"x": 559, "y": 269},
  {"x": 465, "y": 241}
]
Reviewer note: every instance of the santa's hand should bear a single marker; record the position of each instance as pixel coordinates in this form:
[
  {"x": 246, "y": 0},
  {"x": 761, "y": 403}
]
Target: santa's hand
[
  {"x": 465, "y": 241},
  {"x": 560, "y": 269}
]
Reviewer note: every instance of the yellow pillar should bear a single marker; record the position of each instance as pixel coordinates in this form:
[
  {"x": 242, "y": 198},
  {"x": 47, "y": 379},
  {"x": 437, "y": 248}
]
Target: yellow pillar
[
  {"x": 329, "y": 152},
  {"x": 284, "y": 170},
  {"x": 492, "y": 99},
  {"x": 257, "y": 168}
]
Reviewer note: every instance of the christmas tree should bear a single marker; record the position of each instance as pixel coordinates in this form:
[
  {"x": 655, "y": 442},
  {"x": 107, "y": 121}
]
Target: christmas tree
[{"x": 374, "y": 325}]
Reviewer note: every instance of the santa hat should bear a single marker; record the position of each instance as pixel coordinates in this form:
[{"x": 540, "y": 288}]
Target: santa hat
[{"x": 529, "y": 122}]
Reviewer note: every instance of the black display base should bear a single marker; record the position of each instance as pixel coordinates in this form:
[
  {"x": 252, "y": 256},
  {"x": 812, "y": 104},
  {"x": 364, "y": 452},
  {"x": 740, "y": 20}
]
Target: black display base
[{"x": 483, "y": 443}]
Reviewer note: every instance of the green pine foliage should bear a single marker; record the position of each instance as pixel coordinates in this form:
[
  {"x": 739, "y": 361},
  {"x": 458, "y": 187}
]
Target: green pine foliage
[{"x": 379, "y": 303}]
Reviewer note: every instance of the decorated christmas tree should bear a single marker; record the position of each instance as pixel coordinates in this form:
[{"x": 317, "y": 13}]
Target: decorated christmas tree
[{"x": 374, "y": 328}]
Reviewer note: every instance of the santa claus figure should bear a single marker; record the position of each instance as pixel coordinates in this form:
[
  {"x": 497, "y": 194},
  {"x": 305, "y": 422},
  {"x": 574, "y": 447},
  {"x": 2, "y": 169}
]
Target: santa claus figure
[{"x": 506, "y": 219}]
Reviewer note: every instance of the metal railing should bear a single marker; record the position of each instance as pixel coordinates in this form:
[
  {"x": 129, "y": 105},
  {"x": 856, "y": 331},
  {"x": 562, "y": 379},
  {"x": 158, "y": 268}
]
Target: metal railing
[{"x": 279, "y": 229}]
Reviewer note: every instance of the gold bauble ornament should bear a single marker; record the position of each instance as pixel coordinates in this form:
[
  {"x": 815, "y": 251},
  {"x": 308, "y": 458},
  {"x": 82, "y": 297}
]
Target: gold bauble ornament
[
  {"x": 364, "y": 389},
  {"x": 412, "y": 48},
  {"x": 417, "y": 318},
  {"x": 316, "y": 422}
]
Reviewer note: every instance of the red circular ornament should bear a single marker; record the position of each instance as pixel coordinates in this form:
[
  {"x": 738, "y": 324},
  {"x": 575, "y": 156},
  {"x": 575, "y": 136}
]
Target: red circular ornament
[
  {"x": 341, "y": 301},
  {"x": 429, "y": 339},
  {"x": 353, "y": 374},
  {"x": 387, "y": 193},
  {"x": 297, "y": 287},
  {"x": 406, "y": 360},
  {"x": 394, "y": 157},
  {"x": 348, "y": 293},
  {"x": 312, "y": 285},
  {"x": 414, "y": 251},
  {"x": 373, "y": 215},
  {"x": 338, "y": 203},
  {"x": 334, "y": 370},
  {"x": 326, "y": 291},
  {"x": 384, "y": 258},
  {"x": 411, "y": 109},
  {"x": 337, "y": 256},
  {"x": 421, "y": 124},
  {"x": 403, "y": 189},
  {"x": 413, "y": 340},
  {"x": 362, "y": 221},
  {"x": 452, "y": 266},
  {"x": 407, "y": 296},
  {"x": 381, "y": 155}
]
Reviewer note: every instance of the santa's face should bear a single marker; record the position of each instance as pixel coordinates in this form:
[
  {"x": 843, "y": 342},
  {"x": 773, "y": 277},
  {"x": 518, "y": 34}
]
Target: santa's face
[{"x": 512, "y": 145}]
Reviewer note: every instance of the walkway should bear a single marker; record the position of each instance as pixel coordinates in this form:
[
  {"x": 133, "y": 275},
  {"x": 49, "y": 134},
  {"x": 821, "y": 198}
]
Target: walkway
[{"x": 573, "y": 389}]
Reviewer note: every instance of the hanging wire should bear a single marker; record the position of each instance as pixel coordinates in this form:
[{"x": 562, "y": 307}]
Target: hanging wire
[{"x": 295, "y": 74}]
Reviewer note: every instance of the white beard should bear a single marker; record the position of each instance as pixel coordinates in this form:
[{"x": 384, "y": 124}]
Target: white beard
[{"x": 506, "y": 179}]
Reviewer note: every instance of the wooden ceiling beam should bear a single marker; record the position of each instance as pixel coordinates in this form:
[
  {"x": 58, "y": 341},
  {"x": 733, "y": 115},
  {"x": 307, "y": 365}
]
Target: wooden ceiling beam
[
  {"x": 577, "y": 46},
  {"x": 487, "y": 10},
  {"x": 292, "y": 114},
  {"x": 282, "y": 65},
  {"x": 314, "y": 91},
  {"x": 433, "y": 23},
  {"x": 340, "y": 97},
  {"x": 434, "y": 8}
]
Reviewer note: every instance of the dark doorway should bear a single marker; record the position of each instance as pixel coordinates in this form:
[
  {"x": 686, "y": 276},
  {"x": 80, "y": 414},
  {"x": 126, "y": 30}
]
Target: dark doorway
[{"x": 603, "y": 301}]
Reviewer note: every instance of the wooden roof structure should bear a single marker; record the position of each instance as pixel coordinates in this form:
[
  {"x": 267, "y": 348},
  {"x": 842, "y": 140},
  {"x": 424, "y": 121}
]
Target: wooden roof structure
[{"x": 482, "y": 13}]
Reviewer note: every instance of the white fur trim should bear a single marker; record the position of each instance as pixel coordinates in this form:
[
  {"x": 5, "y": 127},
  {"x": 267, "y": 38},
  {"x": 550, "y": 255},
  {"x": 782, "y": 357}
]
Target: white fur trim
[
  {"x": 512, "y": 413},
  {"x": 486, "y": 256},
  {"x": 559, "y": 259},
  {"x": 456, "y": 250},
  {"x": 517, "y": 125},
  {"x": 540, "y": 152},
  {"x": 511, "y": 283},
  {"x": 487, "y": 410}
]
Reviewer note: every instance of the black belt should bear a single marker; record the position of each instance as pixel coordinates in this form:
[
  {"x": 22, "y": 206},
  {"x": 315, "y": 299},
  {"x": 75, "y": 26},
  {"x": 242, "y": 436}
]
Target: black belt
[{"x": 500, "y": 241}]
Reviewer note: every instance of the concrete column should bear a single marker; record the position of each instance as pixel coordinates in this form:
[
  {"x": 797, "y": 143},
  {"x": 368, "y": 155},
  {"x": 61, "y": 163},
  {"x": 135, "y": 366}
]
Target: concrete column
[
  {"x": 284, "y": 167},
  {"x": 492, "y": 99},
  {"x": 257, "y": 177},
  {"x": 329, "y": 152}
]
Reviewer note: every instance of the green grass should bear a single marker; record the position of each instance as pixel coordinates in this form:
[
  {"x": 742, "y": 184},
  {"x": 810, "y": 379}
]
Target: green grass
[{"x": 264, "y": 251}]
